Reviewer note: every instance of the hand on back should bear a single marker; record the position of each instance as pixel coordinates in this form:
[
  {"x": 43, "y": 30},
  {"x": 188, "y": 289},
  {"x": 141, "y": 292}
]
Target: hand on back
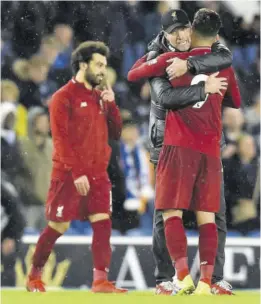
[{"x": 215, "y": 84}]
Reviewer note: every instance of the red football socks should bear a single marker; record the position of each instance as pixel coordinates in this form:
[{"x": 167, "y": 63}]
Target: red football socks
[
  {"x": 208, "y": 243},
  {"x": 101, "y": 249},
  {"x": 176, "y": 241},
  {"x": 43, "y": 249}
]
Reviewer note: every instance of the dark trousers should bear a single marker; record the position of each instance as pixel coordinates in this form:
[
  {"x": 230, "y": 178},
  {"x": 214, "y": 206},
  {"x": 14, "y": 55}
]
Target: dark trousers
[
  {"x": 164, "y": 269},
  {"x": 8, "y": 271}
]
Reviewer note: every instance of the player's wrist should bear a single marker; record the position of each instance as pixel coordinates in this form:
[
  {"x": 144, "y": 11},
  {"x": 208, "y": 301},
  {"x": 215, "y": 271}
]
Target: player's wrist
[
  {"x": 111, "y": 107},
  {"x": 77, "y": 172},
  {"x": 207, "y": 88}
]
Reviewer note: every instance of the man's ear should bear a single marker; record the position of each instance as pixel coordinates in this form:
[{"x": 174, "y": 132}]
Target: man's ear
[{"x": 83, "y": 66}]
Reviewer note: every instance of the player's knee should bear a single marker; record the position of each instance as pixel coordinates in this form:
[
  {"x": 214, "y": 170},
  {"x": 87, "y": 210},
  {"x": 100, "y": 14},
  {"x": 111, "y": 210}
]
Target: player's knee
[
  {"x": 205, "y": 217},
  {"x": 98, "y": 217},
  {"x": 60, "y": 227},
  {"x": 170, "y": 213}
]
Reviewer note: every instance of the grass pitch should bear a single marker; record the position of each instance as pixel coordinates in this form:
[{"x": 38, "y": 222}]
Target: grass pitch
[{"x": 134, "y": 297}]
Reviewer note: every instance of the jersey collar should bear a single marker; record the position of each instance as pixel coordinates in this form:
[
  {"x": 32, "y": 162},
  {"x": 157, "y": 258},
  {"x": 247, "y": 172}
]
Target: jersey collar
[{"x": 75, "y": 82}]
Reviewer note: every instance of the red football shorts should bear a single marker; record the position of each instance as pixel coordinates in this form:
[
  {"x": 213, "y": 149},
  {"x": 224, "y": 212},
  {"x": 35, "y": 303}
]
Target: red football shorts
[
  {"x": 187, "y": 179},
  {"x": 65, "y": 204}
]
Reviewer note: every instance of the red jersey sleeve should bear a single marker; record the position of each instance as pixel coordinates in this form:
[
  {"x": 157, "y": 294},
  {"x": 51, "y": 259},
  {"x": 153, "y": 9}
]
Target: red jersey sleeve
[
  {"x": 114, "y": 120},
  {"x": 233, "y": 91},
  {"x": 139, "y": 62},
  {"x": 154, "y": 67},
  {"x": 59, "y": 118}
]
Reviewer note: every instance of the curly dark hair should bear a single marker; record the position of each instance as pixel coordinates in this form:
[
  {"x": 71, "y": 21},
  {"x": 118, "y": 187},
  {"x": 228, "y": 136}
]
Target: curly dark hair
[
  {"x": 206, "y": 22},
  {"x": 84, "y": 52}
]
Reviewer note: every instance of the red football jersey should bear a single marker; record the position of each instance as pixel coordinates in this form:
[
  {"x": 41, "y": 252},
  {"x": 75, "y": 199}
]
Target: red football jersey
[
  {"x": 199, "y": 127},
  {"x": 154, "y": 67},
  {"x": 80, "y": 129}
]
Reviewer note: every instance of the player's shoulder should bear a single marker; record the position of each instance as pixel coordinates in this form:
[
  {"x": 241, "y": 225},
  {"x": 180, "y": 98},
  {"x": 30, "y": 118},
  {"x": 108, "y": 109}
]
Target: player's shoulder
[
  {"x": 199, "y": 51},
  {"x": 64, "y": 92},
  {"x": 63, "y": 96},
  {"x": 170, "y": 55}
]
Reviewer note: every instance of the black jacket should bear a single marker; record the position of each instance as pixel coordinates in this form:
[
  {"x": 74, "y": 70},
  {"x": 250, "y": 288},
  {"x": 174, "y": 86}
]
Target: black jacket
[{"x": 178, "y": 98}]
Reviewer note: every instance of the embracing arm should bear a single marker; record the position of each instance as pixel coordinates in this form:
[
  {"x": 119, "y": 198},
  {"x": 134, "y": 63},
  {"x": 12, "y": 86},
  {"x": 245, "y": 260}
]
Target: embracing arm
[
  {"x": 220, "y": 58},
  {"x": 175, "y": 98},
  {"x": 180, "y": 97},
  {"x": 154, "y": 66},
  {"x": 145, "y": 69}
]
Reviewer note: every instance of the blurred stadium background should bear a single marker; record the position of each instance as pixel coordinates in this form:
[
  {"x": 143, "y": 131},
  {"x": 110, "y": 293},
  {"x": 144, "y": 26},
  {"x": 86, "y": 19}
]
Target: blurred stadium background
[{"x": 37, "y": 39}]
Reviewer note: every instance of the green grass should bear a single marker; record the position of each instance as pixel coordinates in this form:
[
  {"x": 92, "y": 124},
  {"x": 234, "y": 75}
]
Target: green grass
[{"x": 85, "y": 297}]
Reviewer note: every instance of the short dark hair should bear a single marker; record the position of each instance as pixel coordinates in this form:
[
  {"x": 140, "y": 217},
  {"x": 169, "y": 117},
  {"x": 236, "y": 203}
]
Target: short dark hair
[
  {"x": 206, "y": 22},
  {"x": 84, "y": 52}
]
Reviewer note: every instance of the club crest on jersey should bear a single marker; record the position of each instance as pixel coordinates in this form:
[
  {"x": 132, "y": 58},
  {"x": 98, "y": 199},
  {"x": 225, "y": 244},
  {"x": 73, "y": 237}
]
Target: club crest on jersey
[
  {"x": 84, "y": 104},
  {"x": 59, "y": 211}
]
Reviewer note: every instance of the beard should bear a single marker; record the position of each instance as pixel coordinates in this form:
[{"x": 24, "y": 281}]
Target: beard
[{"x": 93, "y": 79}]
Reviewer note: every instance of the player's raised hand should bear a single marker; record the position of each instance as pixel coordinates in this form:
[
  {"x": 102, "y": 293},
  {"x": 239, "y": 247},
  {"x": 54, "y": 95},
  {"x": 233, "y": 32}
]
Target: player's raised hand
[
  {"x": 177, "y": 68},
  {"x": 107, "y": 94},
  {"x": 82, "y": 185},
  {"x": 215, "y": 84}
]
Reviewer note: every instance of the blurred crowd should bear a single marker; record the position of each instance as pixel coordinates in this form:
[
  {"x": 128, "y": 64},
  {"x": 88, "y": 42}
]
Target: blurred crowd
[{"x": 37, "y": 39}]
